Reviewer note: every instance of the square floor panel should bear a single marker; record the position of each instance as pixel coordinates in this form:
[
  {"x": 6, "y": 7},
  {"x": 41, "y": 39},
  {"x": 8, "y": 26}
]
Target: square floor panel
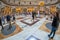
[
  {"x": 32, "y": 38},
  {"x": 29, "y": 22}
]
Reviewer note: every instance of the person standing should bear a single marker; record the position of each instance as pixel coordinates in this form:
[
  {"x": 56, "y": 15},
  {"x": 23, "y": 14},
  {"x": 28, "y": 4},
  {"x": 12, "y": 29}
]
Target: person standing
[
  {"x": 38, "y": 13},
  {"x": 1, "y": 22},
  {"x": 33, "y": 15},
  {"x": 8, "y": 18},
  {"x": 13, "y": 16},
  {"x": 55, "y": 25},
  {"x": 3, "y": 19}
]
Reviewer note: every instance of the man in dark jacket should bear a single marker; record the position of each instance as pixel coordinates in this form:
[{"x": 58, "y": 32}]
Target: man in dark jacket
[
  {"x": 55, "y": 25},
  {"x": 33, "y": 15},
  {"x": 8, "y": 18},
  {"x": 13, "y": 17}
]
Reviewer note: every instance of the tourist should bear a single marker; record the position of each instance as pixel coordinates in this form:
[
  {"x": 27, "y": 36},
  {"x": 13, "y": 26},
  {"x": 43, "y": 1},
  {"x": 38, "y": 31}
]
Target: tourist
[
  {"x": 1, "y": 22},
  {"x": 8, "y": 18},
  {"x": 33, "y": 15},
  {"x": 13, "y": 17},
  {"x": 3, "y": 19},
  {"x": 55, "y": 25}
]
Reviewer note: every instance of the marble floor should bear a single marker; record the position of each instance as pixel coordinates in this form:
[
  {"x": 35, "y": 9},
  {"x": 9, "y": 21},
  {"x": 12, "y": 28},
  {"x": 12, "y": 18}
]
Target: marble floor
[
  {"x": 33, "y": 32},
  {"x": 9, "y": 33}
]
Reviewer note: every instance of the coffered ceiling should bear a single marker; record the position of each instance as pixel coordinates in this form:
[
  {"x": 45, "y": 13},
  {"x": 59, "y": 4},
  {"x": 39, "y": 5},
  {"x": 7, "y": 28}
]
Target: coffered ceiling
[{"x": 29, "y": 2}]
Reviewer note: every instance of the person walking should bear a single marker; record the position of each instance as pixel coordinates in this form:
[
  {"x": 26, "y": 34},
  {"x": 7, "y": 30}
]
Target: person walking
[{"x": 55, "y": 25}]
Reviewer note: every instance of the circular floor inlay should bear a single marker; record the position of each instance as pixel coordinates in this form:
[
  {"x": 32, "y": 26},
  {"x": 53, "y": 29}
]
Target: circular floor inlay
[
  {"x": 5, "y": 31},
  {"x": 48, "y": 25}
]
